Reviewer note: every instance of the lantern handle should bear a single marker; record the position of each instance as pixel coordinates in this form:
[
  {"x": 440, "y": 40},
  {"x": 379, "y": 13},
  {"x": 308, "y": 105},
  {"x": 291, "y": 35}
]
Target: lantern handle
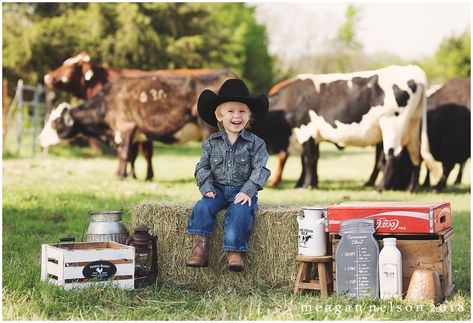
[{"x": 128, "y": 240}]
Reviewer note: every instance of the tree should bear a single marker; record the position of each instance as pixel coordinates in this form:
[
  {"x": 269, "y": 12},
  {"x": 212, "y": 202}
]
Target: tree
[
  {"x": 40, "y": 36},
  {"x": 344, "y": 52},
  {"x": 451, "y": 59},
  {"x": 346, "y": 34}
]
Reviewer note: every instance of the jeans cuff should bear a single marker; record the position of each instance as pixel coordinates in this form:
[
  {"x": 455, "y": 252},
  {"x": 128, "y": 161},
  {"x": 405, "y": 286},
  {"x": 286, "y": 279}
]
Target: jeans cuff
[
  {"x": 199, "y": 232},
  {"x": 228, "y": 248}
]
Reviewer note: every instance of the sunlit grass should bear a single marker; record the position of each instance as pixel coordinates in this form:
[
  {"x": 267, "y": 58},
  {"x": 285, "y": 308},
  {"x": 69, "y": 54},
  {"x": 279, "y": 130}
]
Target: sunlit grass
[{"x": 47, "y": 197}]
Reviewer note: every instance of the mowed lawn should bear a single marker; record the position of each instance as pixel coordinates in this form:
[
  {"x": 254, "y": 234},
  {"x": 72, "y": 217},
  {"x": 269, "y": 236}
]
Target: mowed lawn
[{"x": 48, "y": 197}]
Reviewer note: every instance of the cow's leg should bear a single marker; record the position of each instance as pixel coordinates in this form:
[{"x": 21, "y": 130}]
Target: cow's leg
[
  {"x": 458, "y": 180},
  {"x": 414, "y": 181},
  {"x": 132, "y": 158},
  {"x": 377, "y": 160},
  {"x": 282, "y": 158},
  {"x": 310, "y": 157},
  {"x": 388, "y": 171},
  {"x": 124, "y": 153},
  {"x": 427, "y": 180},
  {"x": 447, "y": 168},
  {"x": 120, "y": 164},
  {"x": 300, "y": 181},
  {"x": 147, "y": 150}
]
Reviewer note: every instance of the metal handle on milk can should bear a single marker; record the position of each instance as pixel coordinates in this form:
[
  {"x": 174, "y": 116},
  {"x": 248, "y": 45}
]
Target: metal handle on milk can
[{"x": 300, "y": 217}]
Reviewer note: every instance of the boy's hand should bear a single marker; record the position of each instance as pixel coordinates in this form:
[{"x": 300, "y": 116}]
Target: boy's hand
[
  {"x": 210, "y": 194},
  {"x": 243, "y": 198}
]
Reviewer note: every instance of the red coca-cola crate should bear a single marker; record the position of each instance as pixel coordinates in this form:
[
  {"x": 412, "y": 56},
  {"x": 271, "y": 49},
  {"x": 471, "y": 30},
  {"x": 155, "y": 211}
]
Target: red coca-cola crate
[{"x": 399, "y": 217}]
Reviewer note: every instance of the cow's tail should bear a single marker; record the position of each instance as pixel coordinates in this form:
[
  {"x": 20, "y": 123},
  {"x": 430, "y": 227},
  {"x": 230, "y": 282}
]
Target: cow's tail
[{"x": 429, "y": 160}]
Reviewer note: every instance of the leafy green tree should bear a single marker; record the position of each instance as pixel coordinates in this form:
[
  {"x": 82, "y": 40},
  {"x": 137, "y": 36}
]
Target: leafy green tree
[
  {"x": 344, "y": 53},
  {"x": 451, "y": 59},
  {"x": 40, "y": 36},
  {"x": 346, "y": 34},
  {"x": 348, "y": 49}
]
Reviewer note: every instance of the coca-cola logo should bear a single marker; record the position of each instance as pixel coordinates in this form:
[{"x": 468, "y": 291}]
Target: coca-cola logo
[{"x": 383, "y": 223}]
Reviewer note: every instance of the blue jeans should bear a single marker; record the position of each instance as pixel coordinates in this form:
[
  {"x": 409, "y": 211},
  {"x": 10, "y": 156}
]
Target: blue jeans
[{"x": 238, "y": 221}]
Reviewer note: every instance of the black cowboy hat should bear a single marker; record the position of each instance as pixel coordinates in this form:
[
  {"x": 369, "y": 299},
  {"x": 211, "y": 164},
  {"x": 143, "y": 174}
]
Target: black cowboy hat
[{"x": 233, "y": 90}]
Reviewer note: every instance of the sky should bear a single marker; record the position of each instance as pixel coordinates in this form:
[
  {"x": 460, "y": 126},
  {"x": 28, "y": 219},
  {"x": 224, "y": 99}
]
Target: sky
[{"x": 410, "y": 30}]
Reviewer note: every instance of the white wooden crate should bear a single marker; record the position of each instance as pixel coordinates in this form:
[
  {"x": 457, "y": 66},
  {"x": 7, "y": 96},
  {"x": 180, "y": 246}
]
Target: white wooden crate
[{"x": 63, "y": 264}]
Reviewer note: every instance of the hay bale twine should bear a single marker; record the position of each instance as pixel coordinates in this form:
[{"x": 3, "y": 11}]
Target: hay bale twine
[{"x": 270, "y": 260}]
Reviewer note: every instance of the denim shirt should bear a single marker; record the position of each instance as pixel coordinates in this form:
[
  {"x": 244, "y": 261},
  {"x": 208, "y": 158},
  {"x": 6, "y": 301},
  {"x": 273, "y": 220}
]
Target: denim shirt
[{"x": 243, "y": 164}]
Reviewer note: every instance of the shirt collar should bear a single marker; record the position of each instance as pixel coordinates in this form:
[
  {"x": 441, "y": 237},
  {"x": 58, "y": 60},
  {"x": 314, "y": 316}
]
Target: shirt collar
[
  {"x": 246, "y": 135},
  {"x": 243, "y": 134}
]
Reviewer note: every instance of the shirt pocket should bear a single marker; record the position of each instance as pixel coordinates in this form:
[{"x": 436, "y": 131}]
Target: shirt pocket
[
  {"x": 242, "y": 167},
  {"x": 216, "y": 166}
]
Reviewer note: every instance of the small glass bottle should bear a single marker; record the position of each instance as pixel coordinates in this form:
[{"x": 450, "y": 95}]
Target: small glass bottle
[{"x": 390, "y": 270}]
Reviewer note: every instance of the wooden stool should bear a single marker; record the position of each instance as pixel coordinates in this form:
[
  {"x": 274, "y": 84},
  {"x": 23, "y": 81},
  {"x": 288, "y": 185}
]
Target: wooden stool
[{"x": 323, "y": 266}]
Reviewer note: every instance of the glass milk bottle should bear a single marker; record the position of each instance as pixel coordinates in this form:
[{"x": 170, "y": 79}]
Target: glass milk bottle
[{"x": 390, "y": 270}]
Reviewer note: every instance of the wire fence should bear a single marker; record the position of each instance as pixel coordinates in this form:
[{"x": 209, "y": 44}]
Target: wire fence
[{"x": 24, "y": 119}]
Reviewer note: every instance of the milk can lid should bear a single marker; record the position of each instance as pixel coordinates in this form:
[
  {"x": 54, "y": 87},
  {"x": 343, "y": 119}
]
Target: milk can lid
[{"x": 105, "y": 212}]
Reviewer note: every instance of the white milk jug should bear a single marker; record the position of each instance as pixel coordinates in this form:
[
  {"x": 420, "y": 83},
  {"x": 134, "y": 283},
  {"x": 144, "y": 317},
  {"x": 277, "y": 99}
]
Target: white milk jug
[{"x": 312, "y": 238}]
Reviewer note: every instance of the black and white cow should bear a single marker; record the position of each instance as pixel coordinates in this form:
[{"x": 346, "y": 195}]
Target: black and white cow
[{"x": 356, "y": 109}]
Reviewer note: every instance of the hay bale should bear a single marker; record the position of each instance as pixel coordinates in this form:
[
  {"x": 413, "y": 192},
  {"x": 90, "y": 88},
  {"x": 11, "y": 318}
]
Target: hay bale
[{"x": 270, "y": 260}]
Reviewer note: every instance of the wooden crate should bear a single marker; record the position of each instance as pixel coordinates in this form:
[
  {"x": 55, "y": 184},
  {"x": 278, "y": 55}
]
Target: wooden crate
[
  {"x": 433, "y": 251},
  {"x": 65, "y": 264}
]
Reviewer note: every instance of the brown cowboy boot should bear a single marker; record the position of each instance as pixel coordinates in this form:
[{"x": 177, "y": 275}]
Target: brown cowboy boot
[
  {"x": 200, "y": 252},
  {"x": 235, "y": 261}
]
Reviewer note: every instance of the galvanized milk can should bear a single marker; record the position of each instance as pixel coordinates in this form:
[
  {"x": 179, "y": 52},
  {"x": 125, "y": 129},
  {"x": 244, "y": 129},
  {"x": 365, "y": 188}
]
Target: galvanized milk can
[{"x": 106, "y": 226}]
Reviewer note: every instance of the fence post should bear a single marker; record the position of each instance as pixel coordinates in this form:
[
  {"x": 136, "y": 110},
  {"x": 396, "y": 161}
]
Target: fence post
[
  {"x": 4, "y": 113},
  {"x": 37, "y": 93},
  {"x": 19, "y": 115}
]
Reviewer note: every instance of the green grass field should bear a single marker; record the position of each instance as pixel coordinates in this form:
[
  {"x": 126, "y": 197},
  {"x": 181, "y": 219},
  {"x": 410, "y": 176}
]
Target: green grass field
[{"x": 47, "y": 197}]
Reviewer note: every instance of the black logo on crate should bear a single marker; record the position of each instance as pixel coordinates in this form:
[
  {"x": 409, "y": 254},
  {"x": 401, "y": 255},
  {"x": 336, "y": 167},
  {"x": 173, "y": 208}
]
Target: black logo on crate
[{"x": 100, "y": 270}]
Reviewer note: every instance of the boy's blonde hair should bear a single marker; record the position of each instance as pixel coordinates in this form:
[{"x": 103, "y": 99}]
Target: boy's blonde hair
[{"x": 220, "y": 123}]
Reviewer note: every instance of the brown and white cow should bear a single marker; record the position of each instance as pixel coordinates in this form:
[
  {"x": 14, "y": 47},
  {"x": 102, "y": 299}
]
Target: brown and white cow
[
  {"x": 158, "y": 107},
  {"x": 355, "y": 109},
  {"x": 78, "y": 76}
]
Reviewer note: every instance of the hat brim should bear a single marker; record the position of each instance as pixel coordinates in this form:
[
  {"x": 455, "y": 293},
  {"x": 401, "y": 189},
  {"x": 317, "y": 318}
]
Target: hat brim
[{"x": 209, "y": 101}]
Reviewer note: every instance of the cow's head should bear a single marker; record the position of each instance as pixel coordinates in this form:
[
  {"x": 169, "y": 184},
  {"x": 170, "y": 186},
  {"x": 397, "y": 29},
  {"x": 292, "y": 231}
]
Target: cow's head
[
  {"x": 60, "y": 125},
  {"x": 72, "y": 76}
]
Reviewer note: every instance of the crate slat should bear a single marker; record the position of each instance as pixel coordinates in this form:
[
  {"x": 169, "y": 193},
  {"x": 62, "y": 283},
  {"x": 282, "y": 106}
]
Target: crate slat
[
  {"x": 76, "y": 272},
  {"x": 55, "y": 269},
  {"x": 101, "y": 254},
  {"x": 125, "y": 284}
]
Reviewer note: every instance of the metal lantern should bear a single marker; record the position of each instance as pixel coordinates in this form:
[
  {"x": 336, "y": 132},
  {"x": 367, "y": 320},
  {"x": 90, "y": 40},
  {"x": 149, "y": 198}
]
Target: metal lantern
[{"x": 146, "y": 256}]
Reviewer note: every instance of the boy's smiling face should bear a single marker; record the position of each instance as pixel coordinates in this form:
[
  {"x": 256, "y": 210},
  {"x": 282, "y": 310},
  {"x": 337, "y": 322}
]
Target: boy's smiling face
[{"x": 233, "y": 115}]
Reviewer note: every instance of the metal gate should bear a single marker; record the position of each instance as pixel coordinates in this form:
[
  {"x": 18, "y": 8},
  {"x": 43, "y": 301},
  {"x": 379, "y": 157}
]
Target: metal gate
[{"x": 26, "y": 117}]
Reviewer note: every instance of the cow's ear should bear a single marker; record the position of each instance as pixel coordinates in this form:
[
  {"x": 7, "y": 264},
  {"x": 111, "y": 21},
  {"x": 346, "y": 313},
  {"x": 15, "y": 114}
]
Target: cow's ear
[
  {"x": 68, "y": 120},
  {"x": 88, "y": 75}
]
